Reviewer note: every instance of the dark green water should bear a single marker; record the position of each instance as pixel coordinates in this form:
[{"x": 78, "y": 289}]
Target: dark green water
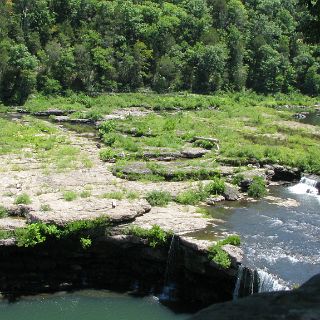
[{"x": 87, "y": 305}]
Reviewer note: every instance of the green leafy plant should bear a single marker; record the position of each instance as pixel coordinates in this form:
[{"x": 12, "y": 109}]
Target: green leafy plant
[
  {"x": 85, "y": 243},
  {"x": 45, "y": 207},
  {"x": 217, "y": 186},
  {"x": 3, "y": 212},
  {"x": 108, "y": 154},
  {"x": 23, "y": 199},
  {"x": 159, "y": 198},
  {"x": 155, "y": 236},
  {"x": 257, "y": 188},
  {"x": 70, "y": 195},
  {"x": 218, "y": 255}
]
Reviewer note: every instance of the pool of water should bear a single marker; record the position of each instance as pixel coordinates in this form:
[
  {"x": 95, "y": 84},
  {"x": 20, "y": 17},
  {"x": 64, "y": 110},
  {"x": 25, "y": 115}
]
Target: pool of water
[
  {"x": 87, "y": 305},
  {"x": 283, "y": 242},
  {"x": 312, "y": 118}
]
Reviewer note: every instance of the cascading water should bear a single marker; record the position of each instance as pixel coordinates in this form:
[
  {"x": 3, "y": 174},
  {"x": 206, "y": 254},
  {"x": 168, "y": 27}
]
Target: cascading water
[
  {"x": 238, "y": 283},
  {"x": 169, "y": 286},
  {"x": 306, "y": 186},
  {"x": 268, "y": 282}
]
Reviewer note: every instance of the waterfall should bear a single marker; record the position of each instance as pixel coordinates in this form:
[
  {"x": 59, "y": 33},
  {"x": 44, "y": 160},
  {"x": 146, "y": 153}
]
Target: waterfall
[
  {"x": 169, "y": 287},
  {"x": 306, "y": 186},
  {"x": 268, "y": 282},
  {"x": 238, "y": 283}
]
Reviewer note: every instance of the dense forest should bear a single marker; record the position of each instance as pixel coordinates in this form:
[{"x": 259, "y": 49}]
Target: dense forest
[{"x": 201, "y": 46}]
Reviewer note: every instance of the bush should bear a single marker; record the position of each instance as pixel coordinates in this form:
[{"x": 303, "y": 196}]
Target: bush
[
  {"x": 85, "y": 243},
  {"x": 237, "y": 179},
  {"x": 218, "y": 255},
  {"x": 217, "y": 186},
  {"x": 159, "y": 198},
  {"x": 70, "y": 195},
  {"x": 257, "y": 189},
  {"x": 37, "y": 233},
  {"x": 117, "y": 195},
  {"x": 155, "y": 236},
  {"x": 107, "y": 155},
  {"x": 23, "y": 199},
  {"x": 3, "y": 212}
]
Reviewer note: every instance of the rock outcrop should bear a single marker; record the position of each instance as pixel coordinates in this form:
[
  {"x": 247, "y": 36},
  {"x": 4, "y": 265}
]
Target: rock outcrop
[{"x": 298, "y": 304}]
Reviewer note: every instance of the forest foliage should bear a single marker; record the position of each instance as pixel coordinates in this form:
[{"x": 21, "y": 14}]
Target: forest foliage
[{"x": 200, "y": 46}]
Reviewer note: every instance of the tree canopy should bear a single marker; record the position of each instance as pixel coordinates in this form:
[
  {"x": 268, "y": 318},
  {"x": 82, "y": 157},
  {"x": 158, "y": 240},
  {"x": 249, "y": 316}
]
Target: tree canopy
[{"x": 202, "y": 46}]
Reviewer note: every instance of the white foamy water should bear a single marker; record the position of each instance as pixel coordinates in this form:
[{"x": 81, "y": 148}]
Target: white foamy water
[
  {"x": 305, "y": 186},
  {"x": 269, "y": 282}
]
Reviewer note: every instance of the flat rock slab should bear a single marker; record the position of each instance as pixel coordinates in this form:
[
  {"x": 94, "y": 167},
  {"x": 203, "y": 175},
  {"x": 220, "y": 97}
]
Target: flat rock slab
[
  {"x": 176, "y": 218},
  {"x": 63, "y": 213},
  {"x": 10, "y": 224}
]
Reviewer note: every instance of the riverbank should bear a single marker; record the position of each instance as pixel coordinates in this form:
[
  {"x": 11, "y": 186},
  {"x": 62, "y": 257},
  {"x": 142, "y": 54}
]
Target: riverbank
[{"x": 139, "y": 169}]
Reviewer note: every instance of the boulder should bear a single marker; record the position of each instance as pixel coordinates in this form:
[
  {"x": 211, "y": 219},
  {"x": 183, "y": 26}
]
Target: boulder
[
  {"x": 213, "y": 200},
  {"x": 283, "y": 173},
  {"x": 192, "y": 153},
  {"x": 298, "y": 304},
  {"x": 231, "y": 193}
]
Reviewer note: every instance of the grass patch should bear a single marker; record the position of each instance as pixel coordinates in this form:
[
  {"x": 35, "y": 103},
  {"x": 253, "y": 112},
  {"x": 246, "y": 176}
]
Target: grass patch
[
  {"x": 45, "y": 207},
  {"x": 23, "y": 199},
  {"x": 70, "y": 195},
  {"x": 159, "y": 198},
  {"x": 3, "y": 212},
  {"x": 117, "y": 195}
]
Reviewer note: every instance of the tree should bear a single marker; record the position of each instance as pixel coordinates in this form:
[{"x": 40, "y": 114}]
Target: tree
[{"x": 20, "y": 75}]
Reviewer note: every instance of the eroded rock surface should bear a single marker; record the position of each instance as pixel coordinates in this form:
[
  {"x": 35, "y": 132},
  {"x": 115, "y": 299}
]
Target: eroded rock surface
[{"x": 299, "y": 304}]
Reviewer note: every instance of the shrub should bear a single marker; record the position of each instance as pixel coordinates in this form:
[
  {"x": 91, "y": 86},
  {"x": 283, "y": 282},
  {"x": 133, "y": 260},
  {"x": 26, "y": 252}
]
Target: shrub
[
  {"x": 3, "y": 212},
  {"x": 85, "y": 243},
  {"x": 237, "y": 179},
  {"x": 45, "y": 207},
  {"x": 204, "y": 144},
  {"x": 30, "y": 236},
  {"x": 218, "y": 255},
  {"x": 107, "y": 155},
  {"x": 257, "y": 189},
  {"x": 85, "y": 194},
  {"x": 4, "y": 234},
  {"x": 70, "y": 195},
  {"x": 156, "y": 236},
  {"x": 217, "y": 186},
  {"x": 23, "y": 199},
  {"x": 106, "y": 127},
  {"x": 159, "y": 198}
]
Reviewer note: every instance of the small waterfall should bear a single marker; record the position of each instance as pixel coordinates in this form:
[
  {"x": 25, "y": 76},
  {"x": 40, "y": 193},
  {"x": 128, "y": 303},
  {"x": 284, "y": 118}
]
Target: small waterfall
[
  {"x": 268, "y": 282},
  {"x": 169, "y": 287},
  {"x": 238, "y": 283},
  {"x": 306, "y": 186}
]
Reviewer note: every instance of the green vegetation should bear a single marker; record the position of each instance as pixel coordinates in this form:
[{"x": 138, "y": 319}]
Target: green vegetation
[
  {"x": 194, "y": 196},
  {"x": 4, "y": 234},
  {"x": 3, "y": 212},
  {"x": 159, "y": 198},
  {"x": 117, "y": 195},
  {"x": 59, "y": 47},
  {"x": 45, "y": 207},
  {"x": 155, "y": 236},
  {"x": 85, "y": 243},
  {"x": 70, "y": 195},
  {"x": 23, "y": 199},
  {"x": 36, "y": 233},
  {"x": 257, "y": 189},
  {"x": 218, "y": 255}
]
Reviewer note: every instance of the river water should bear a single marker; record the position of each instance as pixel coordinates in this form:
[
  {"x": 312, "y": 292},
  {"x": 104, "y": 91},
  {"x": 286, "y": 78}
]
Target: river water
[
  {"x": 87, "y": 305},
  {"x": 280, "y": 235}
]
